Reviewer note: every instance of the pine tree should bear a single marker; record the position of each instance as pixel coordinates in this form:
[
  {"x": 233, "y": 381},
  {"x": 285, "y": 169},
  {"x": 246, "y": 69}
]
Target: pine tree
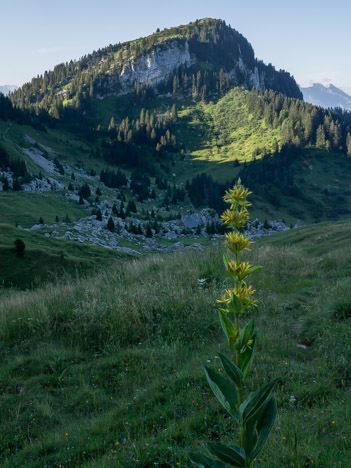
[
  {"x": 16, "y": 186},
  {"x": 131, "y": 207},
  {"x": 148, "y": 231},
  {"x": 98, "y": 215},
  {"x": 110, "y": 224},
  {"x": 174, "y": 113},
  {"x": 320, "y": 137},
  {"x": 111, "y": 125},
  {"x": 348, "y": 144},
  {"x": 175, "y": 84},
  {"x": 5, "y": 185}
]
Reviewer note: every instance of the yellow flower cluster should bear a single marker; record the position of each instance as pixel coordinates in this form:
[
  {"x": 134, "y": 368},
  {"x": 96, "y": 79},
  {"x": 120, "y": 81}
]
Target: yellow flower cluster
[
  {"x": 236, "y": 218},
  {"x": 239, "y": 270},
  {"x": 237, "y": 196},
  {"x": 243, "y": 293},
  {"x": 235, "y": 241}
]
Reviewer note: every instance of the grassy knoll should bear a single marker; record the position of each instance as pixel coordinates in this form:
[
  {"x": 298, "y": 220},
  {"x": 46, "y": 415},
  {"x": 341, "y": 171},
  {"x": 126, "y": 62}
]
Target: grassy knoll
[
  {"x": 106, "y": 371},
  {"x": 45, "y": 258}
]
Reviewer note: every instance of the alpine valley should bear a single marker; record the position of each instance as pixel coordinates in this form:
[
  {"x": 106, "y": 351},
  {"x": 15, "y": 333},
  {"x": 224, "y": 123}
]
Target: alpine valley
[
  {"x": 145, "y": 136},
  {"x": 112, "y": 173}
]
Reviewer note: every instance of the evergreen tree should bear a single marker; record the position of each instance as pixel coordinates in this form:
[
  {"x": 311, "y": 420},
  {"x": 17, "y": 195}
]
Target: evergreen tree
[
  {"x": 84, "y": 191},
  {"x": 112, "y": 125},
  {"x": 148, "y": 231},
  {"x": 131, "y": 207},
  {"x": 16, "y": 186},
  {"x": 348, "y": 144},
  {"x": 5, "y": 184},
  {"x": 174, "y": 113},
  {"x": 110, "y": 224},
  {"x": 320, "y": 137}
]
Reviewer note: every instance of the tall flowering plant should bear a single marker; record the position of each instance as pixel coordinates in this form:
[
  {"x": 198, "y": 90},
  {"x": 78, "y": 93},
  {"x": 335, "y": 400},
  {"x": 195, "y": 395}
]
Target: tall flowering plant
[{"x": 256, "y": 414}]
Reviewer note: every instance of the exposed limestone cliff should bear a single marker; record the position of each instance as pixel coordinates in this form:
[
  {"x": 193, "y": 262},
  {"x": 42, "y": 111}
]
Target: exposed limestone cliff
[
  {"x": 155, "y": 67},
  {"x": 159, "y": 65}
]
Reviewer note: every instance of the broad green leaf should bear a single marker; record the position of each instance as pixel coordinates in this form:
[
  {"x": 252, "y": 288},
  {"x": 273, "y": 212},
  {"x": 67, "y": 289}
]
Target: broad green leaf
[
  {"x": 246, "y": 344},
  {"x": 201, "y": 461},
  {"x": 232, "y": 370},
  {"x": 233, "y": 455},
  {"x": 236, "y": 305},
  {"x": 224, "y": 390},
  {"x": 228, "y": 328},
  {"x": 255, "y": 401},
  {"x": 225, "y": 260},
  {"x": 247, "y": 357},
  {"x": 264, "y": 424},
  {"x": 245, "y": 335},
  {"x": 254, "y": 269}
]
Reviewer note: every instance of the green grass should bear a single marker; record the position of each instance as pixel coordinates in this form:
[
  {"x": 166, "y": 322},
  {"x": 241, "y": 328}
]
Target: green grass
[
  {"x": 47, "y": 258},
  {"x": 225, "y": 131},
  {"x": 26, "y": 208},
  {"x": 106, "y": 371}
]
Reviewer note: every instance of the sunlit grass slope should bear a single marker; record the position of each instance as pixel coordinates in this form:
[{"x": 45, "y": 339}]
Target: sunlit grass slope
[{"x": 107, "y": 372}]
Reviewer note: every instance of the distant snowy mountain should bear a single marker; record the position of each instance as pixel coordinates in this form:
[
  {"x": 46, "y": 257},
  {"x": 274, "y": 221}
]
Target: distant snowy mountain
[
  {"x": 332, "y": 96},
  {"x": 6, "y": 89}
]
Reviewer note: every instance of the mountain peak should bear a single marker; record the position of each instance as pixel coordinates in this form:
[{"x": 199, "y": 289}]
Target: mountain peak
[
  {"x": 326, "y": 96},
  {"x": 205, "y": 54},
  {"x": 6, "y": 89}
]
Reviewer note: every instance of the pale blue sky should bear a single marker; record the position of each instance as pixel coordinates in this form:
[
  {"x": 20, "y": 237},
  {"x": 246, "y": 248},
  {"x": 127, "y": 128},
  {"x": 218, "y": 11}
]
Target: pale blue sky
[{"x": 311, "y": 39}]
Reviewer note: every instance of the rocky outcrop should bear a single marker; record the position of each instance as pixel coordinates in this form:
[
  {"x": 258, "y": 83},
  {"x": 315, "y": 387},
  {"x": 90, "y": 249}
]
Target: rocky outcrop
[
  {"x": 194, "y": 220},
  {"x": 155, "y": 67},
  {"x": 158, "y": 65}
]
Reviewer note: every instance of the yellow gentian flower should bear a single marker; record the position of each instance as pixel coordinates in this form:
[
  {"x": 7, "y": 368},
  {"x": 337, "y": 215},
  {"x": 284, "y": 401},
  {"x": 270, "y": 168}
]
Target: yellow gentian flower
[{"x": 235, "y": 241}]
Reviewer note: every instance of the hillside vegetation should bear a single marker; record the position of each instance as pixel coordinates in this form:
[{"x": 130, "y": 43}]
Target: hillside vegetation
[
  {"x": 106, "y": 371},
  {"x": 219, "y": 55}
]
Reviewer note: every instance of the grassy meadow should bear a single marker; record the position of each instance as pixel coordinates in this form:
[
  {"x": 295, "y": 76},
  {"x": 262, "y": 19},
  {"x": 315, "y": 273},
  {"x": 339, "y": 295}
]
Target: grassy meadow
[
  {"x": 106, "y": 371},
  {"x": 46, "y": 259}
]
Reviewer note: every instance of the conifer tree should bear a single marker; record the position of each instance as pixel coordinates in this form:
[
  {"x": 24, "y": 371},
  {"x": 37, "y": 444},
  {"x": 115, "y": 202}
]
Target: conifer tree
[
  {"x": 110, "y": 224},
  {"x": 348, "y": 144},
  {"x": 98, "y": 215}
]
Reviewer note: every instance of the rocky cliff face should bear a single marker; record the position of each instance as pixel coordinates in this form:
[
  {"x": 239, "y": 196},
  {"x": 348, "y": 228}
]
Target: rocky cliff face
[
  {"x": 158, "y": 66},
  {"x": 155, "y": 67}
]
